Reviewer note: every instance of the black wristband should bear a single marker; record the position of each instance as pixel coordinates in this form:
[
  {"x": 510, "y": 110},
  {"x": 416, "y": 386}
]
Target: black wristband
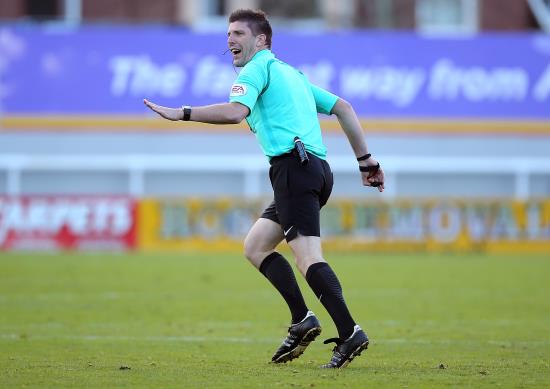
[
  {"x": 186, "y": 112},
  {"x": 364, "y": 157},
  {"x": 370, "y": 169}
]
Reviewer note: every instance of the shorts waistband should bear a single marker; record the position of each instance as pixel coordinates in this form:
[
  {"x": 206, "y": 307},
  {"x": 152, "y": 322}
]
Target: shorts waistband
[
  {"x": 293, "y": 154},
  {"x": 277, "y": 158}
]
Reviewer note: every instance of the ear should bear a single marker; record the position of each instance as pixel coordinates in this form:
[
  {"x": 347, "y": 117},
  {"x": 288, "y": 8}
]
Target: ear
[{"x": 260, "y": 40}]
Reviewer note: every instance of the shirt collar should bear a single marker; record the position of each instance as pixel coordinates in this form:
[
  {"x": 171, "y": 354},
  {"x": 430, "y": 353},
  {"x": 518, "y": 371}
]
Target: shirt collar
[{"x": 263, "y": 53}]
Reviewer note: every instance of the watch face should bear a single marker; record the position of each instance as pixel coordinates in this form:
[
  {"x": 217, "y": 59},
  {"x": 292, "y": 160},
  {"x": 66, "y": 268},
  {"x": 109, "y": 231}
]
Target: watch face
[{"x": 186, "y": 113}]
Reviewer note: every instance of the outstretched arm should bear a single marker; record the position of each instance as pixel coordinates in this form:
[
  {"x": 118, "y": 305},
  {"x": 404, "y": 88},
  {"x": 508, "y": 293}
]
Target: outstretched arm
[
  {"x": 225, "y": 113},
  {"x": 352, "y": 128}
]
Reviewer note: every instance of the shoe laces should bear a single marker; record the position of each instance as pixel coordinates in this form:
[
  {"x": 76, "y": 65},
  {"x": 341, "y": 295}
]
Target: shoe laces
[{"x": 338, "y": 342}]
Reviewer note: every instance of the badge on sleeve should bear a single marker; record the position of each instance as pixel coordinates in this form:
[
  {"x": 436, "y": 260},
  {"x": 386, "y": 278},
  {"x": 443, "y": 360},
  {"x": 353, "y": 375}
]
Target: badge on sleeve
[{"x": 238, "y": 90}]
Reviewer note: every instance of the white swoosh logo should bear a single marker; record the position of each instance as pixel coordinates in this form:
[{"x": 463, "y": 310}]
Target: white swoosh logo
[{"x": 287, "y": 231}]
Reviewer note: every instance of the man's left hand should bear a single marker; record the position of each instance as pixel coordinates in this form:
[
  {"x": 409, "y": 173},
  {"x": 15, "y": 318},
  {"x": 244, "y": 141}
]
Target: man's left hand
[{"x": 375, "y": 179}]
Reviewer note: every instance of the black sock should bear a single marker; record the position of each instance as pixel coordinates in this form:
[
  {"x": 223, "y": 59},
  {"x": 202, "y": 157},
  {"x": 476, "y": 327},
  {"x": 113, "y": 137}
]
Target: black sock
[
  {"x": 277, "y": 270},
  {"x": 328, "y": 290}
]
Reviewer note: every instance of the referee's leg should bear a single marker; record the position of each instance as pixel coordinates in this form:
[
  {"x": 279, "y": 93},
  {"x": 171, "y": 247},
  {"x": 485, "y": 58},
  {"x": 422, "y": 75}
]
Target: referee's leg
[
  {"x": 261, "y": 241},
  {"x": 323, "y": 281},
  {"x": 259, "y": 248},
  {"x": 307, "y": 251}
]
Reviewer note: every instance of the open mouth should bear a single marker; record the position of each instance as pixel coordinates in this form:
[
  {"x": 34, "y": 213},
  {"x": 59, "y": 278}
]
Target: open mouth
[{"x": 235, "y": 51}]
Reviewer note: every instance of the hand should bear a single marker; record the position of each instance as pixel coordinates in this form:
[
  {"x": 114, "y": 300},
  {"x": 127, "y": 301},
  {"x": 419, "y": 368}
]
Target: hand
[
  {"x": 373, "y": 179},
  {"x": 167, "y": 113}
]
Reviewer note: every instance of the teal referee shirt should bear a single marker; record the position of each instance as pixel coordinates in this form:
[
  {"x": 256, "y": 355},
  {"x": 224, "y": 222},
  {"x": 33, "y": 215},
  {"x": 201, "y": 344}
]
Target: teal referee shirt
[{"x": 283, "y": 104}]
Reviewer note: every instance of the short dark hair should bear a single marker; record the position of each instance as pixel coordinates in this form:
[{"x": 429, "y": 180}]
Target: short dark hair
[{"x": 256, "y": 20}]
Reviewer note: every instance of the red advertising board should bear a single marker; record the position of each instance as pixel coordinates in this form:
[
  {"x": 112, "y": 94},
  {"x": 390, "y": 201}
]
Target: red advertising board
[{"x": 67, "y": 222}]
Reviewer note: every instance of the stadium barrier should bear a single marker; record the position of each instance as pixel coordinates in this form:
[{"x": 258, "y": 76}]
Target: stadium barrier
[
  {"x": 79, "y": 222},
  {"x": 74, "y": 222},
  {"x": 137, "y": 170},
  {"x": 136, "y": 220},
  {"x": 493, "y": 226}
]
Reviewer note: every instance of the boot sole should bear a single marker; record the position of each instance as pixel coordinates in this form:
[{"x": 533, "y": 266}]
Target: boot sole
[
  {"x": 355, "y": 353},
  {"x": 299, "y": 350}
]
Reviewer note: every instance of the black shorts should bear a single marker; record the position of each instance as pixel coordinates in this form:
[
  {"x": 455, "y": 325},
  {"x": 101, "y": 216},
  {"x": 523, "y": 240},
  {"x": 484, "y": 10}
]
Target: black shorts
[{"x": 300, "y": 192}]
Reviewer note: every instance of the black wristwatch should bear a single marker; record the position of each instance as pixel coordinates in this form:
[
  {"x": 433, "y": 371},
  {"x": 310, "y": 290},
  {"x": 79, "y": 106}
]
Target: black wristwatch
[{"x": 186, "y": 112}]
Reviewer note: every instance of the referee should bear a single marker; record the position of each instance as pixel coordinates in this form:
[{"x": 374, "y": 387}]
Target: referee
[{"x": 281, "y": 106}]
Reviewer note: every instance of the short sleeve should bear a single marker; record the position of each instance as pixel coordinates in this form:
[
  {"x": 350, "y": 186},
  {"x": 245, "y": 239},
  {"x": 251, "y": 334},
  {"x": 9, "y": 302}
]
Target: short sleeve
[
  {"x": 324, "y": 100},
  {"x": 248, "y": 85}
]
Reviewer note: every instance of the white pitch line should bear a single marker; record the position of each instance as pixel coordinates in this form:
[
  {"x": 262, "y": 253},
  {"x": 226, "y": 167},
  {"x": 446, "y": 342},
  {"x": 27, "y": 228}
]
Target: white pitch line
[{"x": 229, "y": 339}]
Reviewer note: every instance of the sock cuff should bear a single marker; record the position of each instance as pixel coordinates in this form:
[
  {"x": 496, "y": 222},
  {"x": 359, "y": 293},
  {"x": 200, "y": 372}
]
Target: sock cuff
[
  {"x": 268, "y": 260},
  {"x": 314, "y": 269}
]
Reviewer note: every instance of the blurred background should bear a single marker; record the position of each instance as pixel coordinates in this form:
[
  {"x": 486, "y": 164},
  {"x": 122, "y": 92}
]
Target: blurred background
[{"x": 453, "y": 95}]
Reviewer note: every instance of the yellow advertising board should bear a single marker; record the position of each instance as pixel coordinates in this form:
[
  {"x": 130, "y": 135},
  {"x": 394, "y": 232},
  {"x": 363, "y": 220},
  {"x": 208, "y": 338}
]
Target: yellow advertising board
[
  {"x": 490, "y": 226},
  {"x": 195, "y": 224}
]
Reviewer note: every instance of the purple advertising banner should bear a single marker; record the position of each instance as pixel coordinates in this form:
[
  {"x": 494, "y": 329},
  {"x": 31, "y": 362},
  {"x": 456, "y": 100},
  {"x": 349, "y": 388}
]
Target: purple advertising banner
[{"x": 109, "y": 70}]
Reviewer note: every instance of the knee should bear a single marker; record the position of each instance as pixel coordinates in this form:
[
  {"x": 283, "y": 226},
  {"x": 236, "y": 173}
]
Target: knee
[
  {"x": 253, "y": 251},
  {"x": 305, "y": 262},
  {"x": 249, "y": 249}
]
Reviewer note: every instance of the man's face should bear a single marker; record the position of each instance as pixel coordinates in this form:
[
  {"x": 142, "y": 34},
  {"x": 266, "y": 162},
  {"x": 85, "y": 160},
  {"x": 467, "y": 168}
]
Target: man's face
[{"x": 242, "y": 43}]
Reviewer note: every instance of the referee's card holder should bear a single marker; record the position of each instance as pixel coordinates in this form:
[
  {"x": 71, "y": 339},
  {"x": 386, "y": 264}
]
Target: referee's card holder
[{"x": 301, "y": 150}]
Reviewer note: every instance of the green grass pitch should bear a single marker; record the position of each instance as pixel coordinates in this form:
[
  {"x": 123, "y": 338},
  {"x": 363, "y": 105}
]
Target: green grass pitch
[{"x": 212, "y": 321}]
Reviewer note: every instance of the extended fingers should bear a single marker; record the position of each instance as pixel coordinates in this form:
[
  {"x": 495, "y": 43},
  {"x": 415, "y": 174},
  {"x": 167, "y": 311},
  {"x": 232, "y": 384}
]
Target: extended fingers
[
  {"x": 155, "y": 107},
  {"x": 162, "y": 111},
  {"x": 151, "y": 105},
  {"x": 377, "y": 181}
]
